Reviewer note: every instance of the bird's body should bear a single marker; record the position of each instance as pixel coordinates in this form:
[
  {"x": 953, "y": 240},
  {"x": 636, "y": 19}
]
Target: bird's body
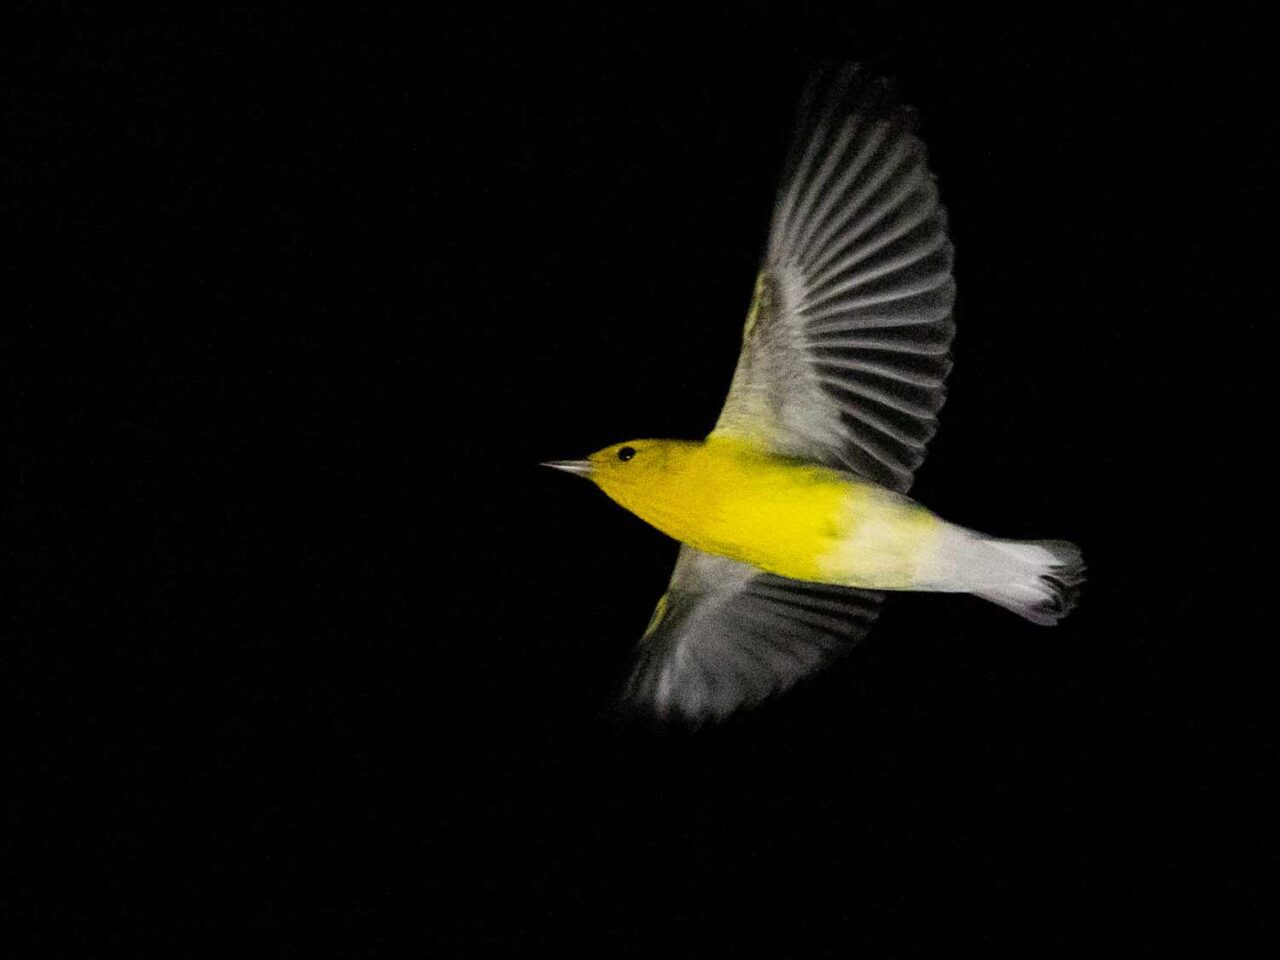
[
  {"x": 730, "y": 497},
  {"x": 735, "y": 499},
  {"x": 792, "y": 513}
]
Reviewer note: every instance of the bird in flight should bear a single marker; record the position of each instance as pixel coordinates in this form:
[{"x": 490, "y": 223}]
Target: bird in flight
[{"x": 793, "y": 514}]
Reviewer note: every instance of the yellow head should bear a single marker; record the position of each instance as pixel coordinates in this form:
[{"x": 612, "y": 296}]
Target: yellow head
[{"x": 633, "y": 473}]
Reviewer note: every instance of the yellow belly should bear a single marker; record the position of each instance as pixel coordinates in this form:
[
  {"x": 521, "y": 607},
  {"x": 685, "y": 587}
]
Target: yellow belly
[
  {"x": 800, "y": 521},
  {"x": 781, "y": 520}
]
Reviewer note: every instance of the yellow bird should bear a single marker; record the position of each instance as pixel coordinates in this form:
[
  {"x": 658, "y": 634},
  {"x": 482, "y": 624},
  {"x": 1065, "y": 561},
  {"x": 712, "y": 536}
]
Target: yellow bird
[{"x": 792, "y": 512}]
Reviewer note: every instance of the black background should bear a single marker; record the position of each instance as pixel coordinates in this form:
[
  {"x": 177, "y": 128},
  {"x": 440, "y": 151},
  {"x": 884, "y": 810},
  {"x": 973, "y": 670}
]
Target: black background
[{"x": 305, "y": 655}]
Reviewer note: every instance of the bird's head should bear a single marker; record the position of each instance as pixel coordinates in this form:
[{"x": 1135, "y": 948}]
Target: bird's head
[{"x": 627, "y": 471}]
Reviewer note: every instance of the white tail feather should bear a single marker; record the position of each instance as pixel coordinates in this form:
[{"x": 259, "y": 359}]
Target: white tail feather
[{"x": 1036, "y": 579}]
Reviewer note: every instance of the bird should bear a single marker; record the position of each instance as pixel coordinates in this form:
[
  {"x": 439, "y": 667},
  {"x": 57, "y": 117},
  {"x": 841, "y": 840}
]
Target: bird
[{"x": 793, "y": 513}]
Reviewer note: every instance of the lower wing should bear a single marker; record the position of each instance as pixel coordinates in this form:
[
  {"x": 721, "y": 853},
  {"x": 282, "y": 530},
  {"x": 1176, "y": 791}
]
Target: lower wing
[{"x": 726, "y": 636}]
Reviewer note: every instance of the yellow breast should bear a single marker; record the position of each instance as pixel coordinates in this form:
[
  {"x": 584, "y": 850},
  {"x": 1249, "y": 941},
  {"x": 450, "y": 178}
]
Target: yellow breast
[
  {"x": 798, "y": 520},
  {"x": 779, "y": 516}
]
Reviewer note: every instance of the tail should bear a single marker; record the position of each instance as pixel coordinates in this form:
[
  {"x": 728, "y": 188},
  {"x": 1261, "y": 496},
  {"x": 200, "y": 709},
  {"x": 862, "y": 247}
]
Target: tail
[{"x": 1039, "y": 579}]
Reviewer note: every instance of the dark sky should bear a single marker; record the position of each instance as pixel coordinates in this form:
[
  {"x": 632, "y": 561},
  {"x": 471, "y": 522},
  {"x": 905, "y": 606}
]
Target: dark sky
[{"x": 302, "y": 650}]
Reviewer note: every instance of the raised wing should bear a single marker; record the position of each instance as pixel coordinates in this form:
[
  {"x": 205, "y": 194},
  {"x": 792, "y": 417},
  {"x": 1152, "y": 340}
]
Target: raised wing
[
  {"x": 847, "y": 341},
  {"x": 726, "y": 636},
  {"x": 844, "y": 354}
]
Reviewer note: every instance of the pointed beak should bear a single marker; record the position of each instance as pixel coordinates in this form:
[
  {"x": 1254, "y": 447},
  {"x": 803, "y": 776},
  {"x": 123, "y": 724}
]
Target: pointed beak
[{"x": 581, "y": 468}]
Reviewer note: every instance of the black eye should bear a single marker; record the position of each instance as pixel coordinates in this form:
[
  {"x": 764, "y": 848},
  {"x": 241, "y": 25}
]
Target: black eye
[{"x": 626, "y": 453}]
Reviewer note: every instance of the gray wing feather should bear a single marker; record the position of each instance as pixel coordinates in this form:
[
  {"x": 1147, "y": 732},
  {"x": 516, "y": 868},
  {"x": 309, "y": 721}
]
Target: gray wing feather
[
  {"x": 847, "y": 344},
  {"x": 844, "y": 356},
  {"x": 727, "y": 636}
]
